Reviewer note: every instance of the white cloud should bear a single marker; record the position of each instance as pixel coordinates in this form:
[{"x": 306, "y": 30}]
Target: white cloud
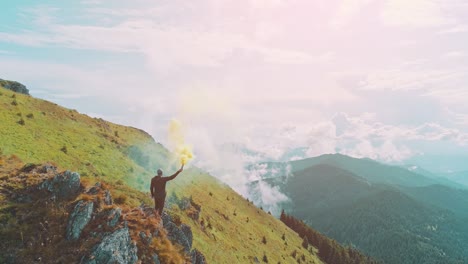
[
  {"x": 164, "y": 45},
  {"x": 348, "y": 10},
  {"x": 455, "y": 54},
  {"x": 416, "y": 13}
]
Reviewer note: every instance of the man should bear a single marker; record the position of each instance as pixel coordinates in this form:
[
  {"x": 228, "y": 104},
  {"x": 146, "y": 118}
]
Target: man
[{"x": 158, "y": 188}]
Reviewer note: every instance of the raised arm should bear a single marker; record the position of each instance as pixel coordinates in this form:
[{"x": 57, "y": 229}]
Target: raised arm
[{"x": 175, "y": 174}]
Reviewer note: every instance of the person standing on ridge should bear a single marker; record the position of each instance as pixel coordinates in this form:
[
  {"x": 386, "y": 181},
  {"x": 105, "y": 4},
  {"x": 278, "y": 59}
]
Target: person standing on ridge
[{"x": 158, "y": 189}]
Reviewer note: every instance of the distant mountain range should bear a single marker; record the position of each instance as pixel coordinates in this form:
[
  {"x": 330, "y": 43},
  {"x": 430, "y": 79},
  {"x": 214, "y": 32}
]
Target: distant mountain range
[
  {"x": 460, "y": 177},
  {"x": 395, "y": 214}
]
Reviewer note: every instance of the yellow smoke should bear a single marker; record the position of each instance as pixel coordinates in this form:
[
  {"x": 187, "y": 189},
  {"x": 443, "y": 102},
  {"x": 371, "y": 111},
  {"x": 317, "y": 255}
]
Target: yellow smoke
[{"x": 182, "y": 150}]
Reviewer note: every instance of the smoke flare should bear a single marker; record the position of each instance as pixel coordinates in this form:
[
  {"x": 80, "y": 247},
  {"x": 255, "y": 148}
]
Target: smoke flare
[{"x": 182, "y": 150}]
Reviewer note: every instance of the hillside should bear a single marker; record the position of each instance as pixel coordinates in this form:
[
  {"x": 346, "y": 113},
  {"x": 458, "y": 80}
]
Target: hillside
[
  {"x": 371, "y": 170},
  {"x": 228, "y": 228},
  {"x": 389, "y": 222},
  {"x": 460, "y": 177},
  {"x": 53, "y": 216}
]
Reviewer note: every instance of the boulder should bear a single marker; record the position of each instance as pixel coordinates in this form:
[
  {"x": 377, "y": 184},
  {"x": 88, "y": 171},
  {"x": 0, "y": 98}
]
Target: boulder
[
  {"x": 14, "y": 86},
  {"x": 108, "y": 198},
  {"x": 188, "y": 233},
  {"x": 166, "y": 219},
  {"x": 115, "y": 248},
  {"x": 156, "y": 259},
  {"x": 145, "y": 238},
  {"x": 63, "y": 186},
  {"x": 184, "y": 203},
  {"x": 95, "y": 189},
  {"x": 114, "y": 216},
  {"x": 176, "y": 235},
  {"x": 48, "y": 168},
  {"x": 197, "y": 257},
  {"x": 78, "y": 219}
]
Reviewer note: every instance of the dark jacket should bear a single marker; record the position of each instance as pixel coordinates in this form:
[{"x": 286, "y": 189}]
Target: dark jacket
[{"x": 158, "y": 185}]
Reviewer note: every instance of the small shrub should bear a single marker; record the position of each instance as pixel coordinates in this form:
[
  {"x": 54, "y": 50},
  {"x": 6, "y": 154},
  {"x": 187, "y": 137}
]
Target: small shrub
[
  {"x": 283, "y": 236},
  {"x": 64, "y": 149},
  {"x": 119, "y": 182},
  {"x": 21, "y": 122},
  {"x": 116, "y": 133},
  {"x": 176, "y": 219},
  {"x": 265, "y": 259},
  {"x": 14, "y": 102},
  {"x": 211, "y": 194},
  {"x": 30, "y": 115},
  {"x": 13, "y": 96},
  {"x": 87, "y": 197},
  {"x": 264, "y": 241},
  {"x": 294, "y": 254},
  {"x": 19, "y": 114},
  {"x": 305, "y": 243},
  {"x": 121, "y": 199},
  {"x": 43, "y": 113}
]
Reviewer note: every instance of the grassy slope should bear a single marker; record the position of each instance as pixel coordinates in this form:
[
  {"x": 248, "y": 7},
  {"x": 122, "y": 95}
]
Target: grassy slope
[
  {"x": 238, "y": 226},
  {"x": 94, "y": 147},
  {"x": 98, "y": 149}
]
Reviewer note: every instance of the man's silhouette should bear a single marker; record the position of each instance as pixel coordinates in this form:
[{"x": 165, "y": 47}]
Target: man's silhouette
[{"x": 158, "y": 188}]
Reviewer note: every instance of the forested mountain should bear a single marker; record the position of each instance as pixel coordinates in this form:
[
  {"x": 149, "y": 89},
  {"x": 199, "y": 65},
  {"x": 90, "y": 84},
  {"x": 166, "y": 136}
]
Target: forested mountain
[{"x": 390, "y": 213}]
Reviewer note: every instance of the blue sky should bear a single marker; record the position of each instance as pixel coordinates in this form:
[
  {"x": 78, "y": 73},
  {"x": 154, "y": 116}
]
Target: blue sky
[{"x": 384, "y": 79}]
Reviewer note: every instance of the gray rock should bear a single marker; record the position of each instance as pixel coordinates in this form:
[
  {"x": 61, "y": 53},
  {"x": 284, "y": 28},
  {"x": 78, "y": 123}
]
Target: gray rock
[
  {"x": 145, "y": 238},
  {"x": 166, "y": 219},
  {"x": 114, "y": 216},
  {"x": 184, "y": 203},
  {"x": 14, "y": 86},
  {"x": 48, "y": 168},
  {"x": 197, "y": 257},
  {"x": 63, "y": 186},
  {"x": 108, "y": 198},
  {"x": 156, "y": 259},
  {"x": 116, "y": 248},
  {"x": 78, "y": 219},
  {"x": 177, "y": 236},
  {"x": 188, "y": 233},
  {"x": 93, "y": 190}
]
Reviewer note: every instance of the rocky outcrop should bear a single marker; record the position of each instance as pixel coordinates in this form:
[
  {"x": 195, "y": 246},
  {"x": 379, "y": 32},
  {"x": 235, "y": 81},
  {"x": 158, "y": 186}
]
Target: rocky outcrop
[
  {"x": 114, "y": 216},
  {"x": 14, "y": 86},
  {"x": 187, "y": 232},
  {"x": 78, "y": 219},
  {"x": 108, "y": 198},
  {"x": 63, "y": 186},
  {"x": 116, "y": 248},
  {"x": 197, "y": 257},
  {"x": 156, "y": 259},
  {"x": 177, "y": 236}
]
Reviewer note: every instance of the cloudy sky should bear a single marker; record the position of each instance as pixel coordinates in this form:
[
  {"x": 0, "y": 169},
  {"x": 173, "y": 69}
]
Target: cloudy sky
[{"x": 384, "y": 79}]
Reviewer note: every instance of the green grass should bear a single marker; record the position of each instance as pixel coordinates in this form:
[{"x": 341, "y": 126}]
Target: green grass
[
  {"x": 238, "y": 226},
  {"x": 88, "y": 145},
  {"x": 126, "y": 157}
]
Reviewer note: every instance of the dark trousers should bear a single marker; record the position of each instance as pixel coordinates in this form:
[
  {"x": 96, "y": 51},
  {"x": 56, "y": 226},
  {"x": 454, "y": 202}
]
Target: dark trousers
[{"x": 159, "y": 204}]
